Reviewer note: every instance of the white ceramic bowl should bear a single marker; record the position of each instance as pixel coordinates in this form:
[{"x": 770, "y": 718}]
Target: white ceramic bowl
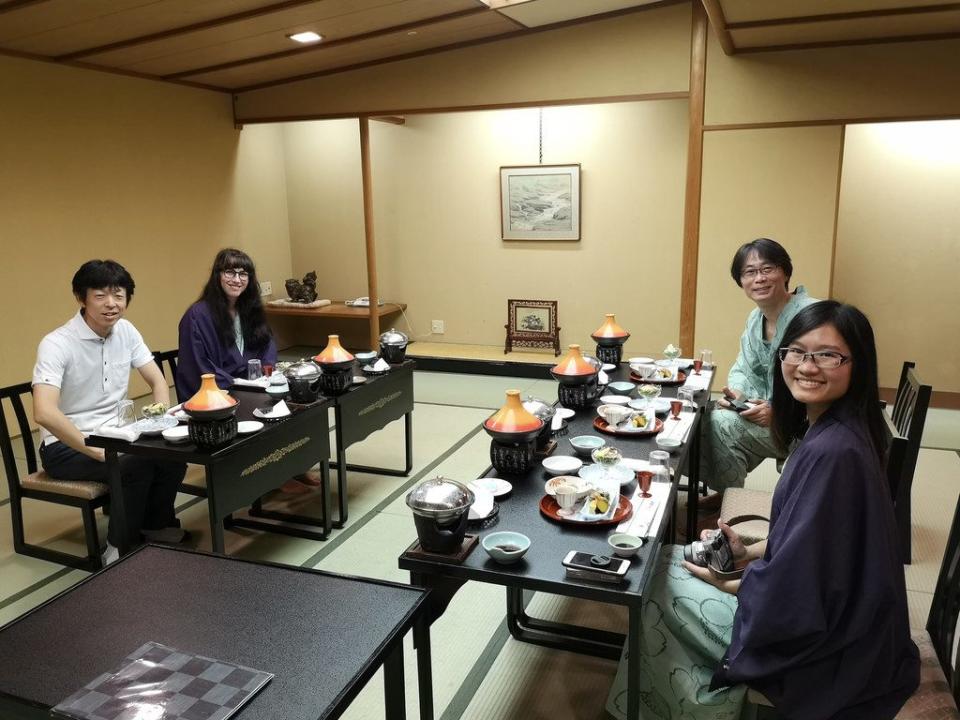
[
  {"x": 614, "y": 414},
  {"x": 670, "y": 444},
  {"x": 506, "y": 547},
  {"x": 640, "y": 360},
  {"x": 624, "y": 545},
  {"x": 582, "y": 485},
  {"x": 583, "y": 445},
  {"x": 562, "y": 465},
  {"x": 615, "y": 399}
]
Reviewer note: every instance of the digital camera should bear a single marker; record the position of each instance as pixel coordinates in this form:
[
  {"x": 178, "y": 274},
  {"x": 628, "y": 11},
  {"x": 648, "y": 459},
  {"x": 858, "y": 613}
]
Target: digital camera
[{"x": 713, "y": 551}]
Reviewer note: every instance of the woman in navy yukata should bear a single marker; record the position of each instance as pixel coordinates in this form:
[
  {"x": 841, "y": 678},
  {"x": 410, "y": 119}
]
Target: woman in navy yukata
[
  {"x": 223, "y": 330},
  {"x": 818, "y": 622}
]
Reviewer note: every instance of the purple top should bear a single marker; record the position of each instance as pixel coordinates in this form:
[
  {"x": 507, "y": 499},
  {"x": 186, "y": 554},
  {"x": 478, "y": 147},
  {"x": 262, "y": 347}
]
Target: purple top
[
  {"x": 202, "y": 351},
  {"x": 822, "y": 627}
]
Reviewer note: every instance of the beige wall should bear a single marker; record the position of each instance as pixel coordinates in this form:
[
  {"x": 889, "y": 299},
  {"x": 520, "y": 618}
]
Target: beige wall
[
  {"x": 437, "y": 217},
  {"x": 897, "y": 246},
  {"x": 644, "y": 52},
  {"x": 777, "y": 183},
  {"x": 886, "y": 80},
  {"x": 152, "y": 175}
]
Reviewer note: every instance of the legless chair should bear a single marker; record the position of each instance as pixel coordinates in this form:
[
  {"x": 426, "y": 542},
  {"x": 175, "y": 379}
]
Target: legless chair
[{"x": 87, "y": 495}]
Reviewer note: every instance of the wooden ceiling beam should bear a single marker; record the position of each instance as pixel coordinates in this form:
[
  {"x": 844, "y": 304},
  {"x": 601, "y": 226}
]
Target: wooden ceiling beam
[
  {"x": 392, "y": 119},
  {"x": 323, "y": 44},
  {"x": 18, "y": 4},
  {"x": 183, "y": 29},
  {"x": 814, "y": 44},
  {"x": 829, "y": 17},
  {"x": 719, "y": 23}
]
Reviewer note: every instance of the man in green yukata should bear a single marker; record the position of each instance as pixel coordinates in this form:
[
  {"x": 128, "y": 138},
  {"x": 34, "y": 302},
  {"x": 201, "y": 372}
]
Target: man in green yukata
[{"x": 735, "y": 442}]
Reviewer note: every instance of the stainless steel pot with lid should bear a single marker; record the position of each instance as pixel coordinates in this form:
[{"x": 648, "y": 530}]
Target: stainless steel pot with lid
[
  {"x": 539, "y": 408},
  {"x": 393, "y": 346},
  {"x": 441, "y": 499},
  {"x": 303, "y": 377},
  {"x": 394, "y": 337}
]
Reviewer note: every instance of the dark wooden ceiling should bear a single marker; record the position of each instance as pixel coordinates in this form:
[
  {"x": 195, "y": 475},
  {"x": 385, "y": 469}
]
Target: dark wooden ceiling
[{"x": 237, "y": 45}]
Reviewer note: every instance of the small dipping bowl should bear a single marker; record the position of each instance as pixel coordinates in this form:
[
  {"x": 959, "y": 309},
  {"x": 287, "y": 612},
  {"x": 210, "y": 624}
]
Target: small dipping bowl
[
  {"x": 624, "y": 545},
  {"x": 506, "y": 547},
  {"x": 365, "y": 358},
  {"x": 621, "y": 387},
  {"x": 583, "y": 445},
  {"x": 277, "y": 391},
  {"x": 562, "y": 465},
  {"x": 669, "y": 444}
]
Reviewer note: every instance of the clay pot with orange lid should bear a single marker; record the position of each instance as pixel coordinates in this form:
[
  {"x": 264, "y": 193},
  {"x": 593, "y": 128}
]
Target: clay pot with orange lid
[
  {"x": 336, "y": 367},
  {"x": 610, "y": 338},
  {"x": 213, "y": 414},
  {"x": 514, "y": 431},
  {"x": 577, "y": 378}
]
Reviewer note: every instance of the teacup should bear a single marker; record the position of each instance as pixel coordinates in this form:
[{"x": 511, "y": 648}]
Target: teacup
[
  {"x": 644, "y": 370},
  {"x": 614, "y": 414},
  {"x": 567, "y": 498}
]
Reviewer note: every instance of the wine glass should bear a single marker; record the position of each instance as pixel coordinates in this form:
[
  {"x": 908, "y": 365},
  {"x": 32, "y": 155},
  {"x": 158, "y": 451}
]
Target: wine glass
[
  {"x": 697, "y": 365},
  {"x": 675, "y": 407},
  {"x": 607, "y": 457},
  {"x": 649, "y": 392},
  {"x": 644, "y": 478}
]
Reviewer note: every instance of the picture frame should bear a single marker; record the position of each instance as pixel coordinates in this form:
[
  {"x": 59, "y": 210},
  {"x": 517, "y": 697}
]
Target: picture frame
[
  {"x": 540, "y": 202},
  {"x": 532, "y": 323}
]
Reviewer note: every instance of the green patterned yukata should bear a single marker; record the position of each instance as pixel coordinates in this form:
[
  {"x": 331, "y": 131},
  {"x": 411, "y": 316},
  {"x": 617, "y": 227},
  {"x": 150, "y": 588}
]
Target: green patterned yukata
[{"x": 732, "y": 447}]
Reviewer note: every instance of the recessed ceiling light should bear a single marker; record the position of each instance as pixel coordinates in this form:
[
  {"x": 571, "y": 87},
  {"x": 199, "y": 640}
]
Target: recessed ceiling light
[
  {"x": 306, "y": 37},
  {"x": 412, "y": 32}
]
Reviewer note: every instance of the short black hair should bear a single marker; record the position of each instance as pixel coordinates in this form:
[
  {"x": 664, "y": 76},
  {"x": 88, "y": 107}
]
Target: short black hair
[
  {"x": 769, "y": 251},
  {"x": 862, "y": 399},
  {"x": 96, "y": 274}
]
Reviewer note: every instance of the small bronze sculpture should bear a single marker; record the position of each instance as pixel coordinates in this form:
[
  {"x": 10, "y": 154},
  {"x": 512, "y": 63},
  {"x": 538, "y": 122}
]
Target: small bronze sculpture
[{"x": 303, "y": 292}]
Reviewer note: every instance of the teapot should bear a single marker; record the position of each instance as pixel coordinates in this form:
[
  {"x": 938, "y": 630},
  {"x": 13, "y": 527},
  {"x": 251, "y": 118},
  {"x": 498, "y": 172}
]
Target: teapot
[{"x": 303, "y": 377}]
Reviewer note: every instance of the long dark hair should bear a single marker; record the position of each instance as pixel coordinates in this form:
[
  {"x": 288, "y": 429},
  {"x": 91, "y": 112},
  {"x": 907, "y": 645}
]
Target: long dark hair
[
  {"x": 862, "y": 399},
  {"x": 253, "y": 321}
]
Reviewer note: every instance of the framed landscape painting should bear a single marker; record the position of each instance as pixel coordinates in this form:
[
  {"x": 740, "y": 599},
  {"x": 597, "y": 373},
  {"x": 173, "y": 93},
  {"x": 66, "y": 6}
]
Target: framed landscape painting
[{"x": 540, "y": 202}]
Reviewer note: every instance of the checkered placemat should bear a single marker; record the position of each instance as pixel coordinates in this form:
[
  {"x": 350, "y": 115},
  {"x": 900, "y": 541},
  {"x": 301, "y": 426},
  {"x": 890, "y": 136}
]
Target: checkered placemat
[{"x": 161, "y": 683}]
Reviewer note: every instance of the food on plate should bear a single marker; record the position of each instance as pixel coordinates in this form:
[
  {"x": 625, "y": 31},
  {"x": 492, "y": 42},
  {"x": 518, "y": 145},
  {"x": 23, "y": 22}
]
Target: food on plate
[
  {"x": 154, "y": 410},
  {"x": 664, "y": 373},
  {"x": 639, "y": 421},
  {"x": 599, "y": 502}
]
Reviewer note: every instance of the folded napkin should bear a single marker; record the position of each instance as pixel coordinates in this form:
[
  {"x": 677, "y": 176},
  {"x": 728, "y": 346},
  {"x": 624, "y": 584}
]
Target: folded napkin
[
  {"x": 277, "y": 411},
  {"x": 258, "y": 383},
  {"x": 637, "y": 465},
  {"x": 603, "y": 378},
  {"x": 677, "y": 429},
  {"x": 698, "y": 382},
  {"x": 647, "y": 512},
  {"x": 127, "y": 432},
  {"x": 380, "y": 365}
]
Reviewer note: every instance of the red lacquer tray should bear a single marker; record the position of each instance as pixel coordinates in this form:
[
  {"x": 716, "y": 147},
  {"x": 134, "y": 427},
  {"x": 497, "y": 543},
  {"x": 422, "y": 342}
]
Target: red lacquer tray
[
  {"x": 604, "y": 427},
  {"x": 550, "y": 508},
  {"x": 680, "y": 379}
]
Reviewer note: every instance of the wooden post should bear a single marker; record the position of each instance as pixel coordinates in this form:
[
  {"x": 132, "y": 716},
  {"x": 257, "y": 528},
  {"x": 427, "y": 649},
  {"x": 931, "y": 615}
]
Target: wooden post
[{"x": 372, "y": 291}]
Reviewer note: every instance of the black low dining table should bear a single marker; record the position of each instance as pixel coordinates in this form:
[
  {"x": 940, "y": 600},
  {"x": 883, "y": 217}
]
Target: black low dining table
[
  {"x": 239, "y": 473},
  {"x": 323, "y": 636},
  {"x": 541, "y": 569}
]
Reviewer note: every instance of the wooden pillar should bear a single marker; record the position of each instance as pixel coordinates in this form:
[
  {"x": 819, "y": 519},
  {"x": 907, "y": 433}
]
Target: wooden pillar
[
  {"x": 691, "y": 212},
  {"x": 372, "y": 291}
]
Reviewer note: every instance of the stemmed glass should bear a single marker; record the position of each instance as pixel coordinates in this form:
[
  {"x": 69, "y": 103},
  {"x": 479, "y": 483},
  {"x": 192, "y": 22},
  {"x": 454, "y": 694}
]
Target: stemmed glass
[
  {"x": 697, "y": 365},
  {"x": 675, "y": 407},
  {"x": 671, "y": 353},
  {"x": 608, "y": 457},
  {"x": 649, "y": 392}
]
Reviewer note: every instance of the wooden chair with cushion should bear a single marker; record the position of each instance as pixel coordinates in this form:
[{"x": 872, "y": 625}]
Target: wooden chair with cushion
[
  {"x": 938, "y": 695},
  {"x": 37, "y": 485}
]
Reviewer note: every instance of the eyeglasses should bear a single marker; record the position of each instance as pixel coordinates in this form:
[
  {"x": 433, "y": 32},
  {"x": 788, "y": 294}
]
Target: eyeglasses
[
  {"x": 751, "y": 273},
  {"x": 823, "y": 359},
  {"x": 236, "y": 274}
]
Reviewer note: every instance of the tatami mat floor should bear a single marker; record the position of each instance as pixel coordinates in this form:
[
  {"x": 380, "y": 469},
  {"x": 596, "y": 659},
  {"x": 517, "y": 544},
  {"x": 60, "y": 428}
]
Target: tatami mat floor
[{"x": 479, "y": 671}]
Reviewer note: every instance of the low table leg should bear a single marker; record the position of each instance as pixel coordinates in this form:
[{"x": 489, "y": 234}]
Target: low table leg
[
  {"x": 421, "y": 640},
  {"x": 633, "y": 665},
  {"x": 394, "y": 700}
]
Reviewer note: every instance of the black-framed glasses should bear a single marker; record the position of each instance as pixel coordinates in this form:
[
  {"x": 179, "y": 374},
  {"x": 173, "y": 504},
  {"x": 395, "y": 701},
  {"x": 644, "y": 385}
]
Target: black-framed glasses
[
  {"x": 826, "y": 359},
  {"x": 236, "y": 274},
  {"x": 751, "y": 273}
]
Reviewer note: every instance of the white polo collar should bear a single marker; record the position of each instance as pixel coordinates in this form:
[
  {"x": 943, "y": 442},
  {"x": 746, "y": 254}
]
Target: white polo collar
[{"x": 83, "y": 331}]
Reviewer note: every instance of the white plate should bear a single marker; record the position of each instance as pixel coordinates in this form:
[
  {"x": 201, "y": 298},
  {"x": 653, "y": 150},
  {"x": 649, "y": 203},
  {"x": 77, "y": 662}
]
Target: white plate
[
  {"x": 497, "y": 486},
  {"x": 482, "y": 503},
  {"x": 565, "y": 413},
  {"x": 582, "y": 486},
  {"x": 155, "y": 426},
  {"x": 359, "y": 379},
  {"x": 177, "y": 434},
  {"x": 660, "y": 404},
  {"x": 640, "y": 361},
  {"x": 594, "y": 474},
  {"x": 562, "y": 465},
  {"x": 245, "y": 427},
  {"x": 615, "y": 400},
  {"x": 608, "y": 367}
]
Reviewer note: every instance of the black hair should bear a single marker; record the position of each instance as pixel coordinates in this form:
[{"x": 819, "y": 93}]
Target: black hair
[
  {"x": 249, "y": 307},
  {"x": 862, "y": 399},
  {"x": 97, "y": 274},
  {"x": 770, "y": 251}
]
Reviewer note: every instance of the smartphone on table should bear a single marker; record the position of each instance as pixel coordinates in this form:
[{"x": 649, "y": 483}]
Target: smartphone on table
[{"x": 592, "y": 566}]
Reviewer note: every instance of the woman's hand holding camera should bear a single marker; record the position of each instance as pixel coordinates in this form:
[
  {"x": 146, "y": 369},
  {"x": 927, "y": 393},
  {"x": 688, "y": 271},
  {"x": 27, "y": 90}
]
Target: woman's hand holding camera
[{"x": 741, "y": 555}]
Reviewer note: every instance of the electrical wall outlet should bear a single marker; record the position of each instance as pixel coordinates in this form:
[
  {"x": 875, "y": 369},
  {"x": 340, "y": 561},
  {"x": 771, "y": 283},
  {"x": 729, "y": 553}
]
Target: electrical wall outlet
[
  {"x": 266, "y": 288},
  {"x": 436, "y": 327}
]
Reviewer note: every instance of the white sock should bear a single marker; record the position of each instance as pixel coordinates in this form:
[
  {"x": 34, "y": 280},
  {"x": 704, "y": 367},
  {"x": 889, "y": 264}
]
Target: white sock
[{"x": 111, "y": 554}]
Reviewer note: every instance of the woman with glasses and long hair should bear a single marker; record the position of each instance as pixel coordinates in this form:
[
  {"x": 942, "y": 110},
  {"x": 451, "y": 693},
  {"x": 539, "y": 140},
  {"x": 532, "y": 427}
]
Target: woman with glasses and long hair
[
  {"x": 818, "y": 622},
  {"x": 224, "y": 330}
]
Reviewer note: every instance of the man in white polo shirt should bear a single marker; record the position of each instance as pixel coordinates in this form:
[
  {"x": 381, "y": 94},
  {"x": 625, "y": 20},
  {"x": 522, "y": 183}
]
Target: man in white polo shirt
[{"x": 82, "y": 372}]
